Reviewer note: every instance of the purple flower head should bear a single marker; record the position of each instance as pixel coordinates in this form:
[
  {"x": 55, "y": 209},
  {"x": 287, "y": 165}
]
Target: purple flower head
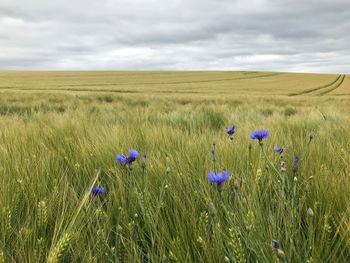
[
  {"x": 213, "y": 153},
  {"x": 275, "y": 244},
  {"x": 231, "y": 130},
  {"x": 133, "y": 155},
  {"x": 259, "y": 135},
  {"x": 121, "y": 158},
  {"x": 219, "y": 177},
  {"x": 97, "y": 190},
  {"x": 295, "y": 166},
  {"x": 144, "y": 161},
  {"x": 278, "y": 149},
  {"x": 276, "y": 247}
]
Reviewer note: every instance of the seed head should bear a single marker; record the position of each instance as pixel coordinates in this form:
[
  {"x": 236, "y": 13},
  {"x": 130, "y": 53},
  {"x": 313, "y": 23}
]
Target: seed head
[{"x": 309, "y": 212}]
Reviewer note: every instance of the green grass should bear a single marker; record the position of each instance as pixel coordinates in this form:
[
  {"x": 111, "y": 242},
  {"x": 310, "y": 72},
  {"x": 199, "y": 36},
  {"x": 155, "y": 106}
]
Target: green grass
[{"x": 60, "y": 133}]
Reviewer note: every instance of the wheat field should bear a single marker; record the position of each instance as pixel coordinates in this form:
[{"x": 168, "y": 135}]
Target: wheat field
[{"x": 60, "y": 133}]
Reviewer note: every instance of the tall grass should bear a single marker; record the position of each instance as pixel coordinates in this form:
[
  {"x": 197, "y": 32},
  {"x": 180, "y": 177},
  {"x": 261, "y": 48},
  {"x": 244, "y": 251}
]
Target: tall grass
[{"x": 167, "y": 211}]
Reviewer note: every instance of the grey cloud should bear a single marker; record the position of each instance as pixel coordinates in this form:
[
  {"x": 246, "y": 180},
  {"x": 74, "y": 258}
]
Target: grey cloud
[{"x": 287, "y": 35}]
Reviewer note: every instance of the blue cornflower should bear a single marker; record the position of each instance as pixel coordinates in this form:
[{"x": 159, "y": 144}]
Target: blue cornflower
[
  {"x": 231, "y": 130},
  {"x": 121, "y": 158},
  {"x": 278, "y": 149},
  {"x": 97, "y": 190},
  {"x": 219, "y": 177},
  {"x": 133, "y": 155},
  {"x": 259, "y": 135}
]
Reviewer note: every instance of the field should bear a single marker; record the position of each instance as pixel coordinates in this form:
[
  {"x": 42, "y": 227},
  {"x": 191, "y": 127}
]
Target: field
[{"x": 60, "y": 133}]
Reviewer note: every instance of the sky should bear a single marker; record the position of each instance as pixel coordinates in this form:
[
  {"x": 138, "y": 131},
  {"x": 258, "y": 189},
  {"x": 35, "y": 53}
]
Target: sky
[{"x": 264, "y": 35}]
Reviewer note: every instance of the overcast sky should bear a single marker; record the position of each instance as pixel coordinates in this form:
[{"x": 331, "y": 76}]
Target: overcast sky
[{"x": 268, "y": 35}]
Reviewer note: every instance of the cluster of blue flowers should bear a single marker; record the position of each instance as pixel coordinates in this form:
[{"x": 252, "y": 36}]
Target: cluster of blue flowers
[
  {"x": 221, "y": 177},
  {"x": 133, "y": 155},
  {"x": 215, "y": 177},
  {"x": 128, "y": 161}
]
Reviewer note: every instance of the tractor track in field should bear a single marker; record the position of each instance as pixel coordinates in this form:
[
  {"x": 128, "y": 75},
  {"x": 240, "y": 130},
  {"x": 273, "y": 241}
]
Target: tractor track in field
[
  {"x": 178, "y": 82},
  {"x": 324, "y": 92},
  {"x": 324, "y": 89}
]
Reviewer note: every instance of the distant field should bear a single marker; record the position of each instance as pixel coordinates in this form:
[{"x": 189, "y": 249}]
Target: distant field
[
  {"x": 60, "y": 133},
  {"x": 203, "y": 83}
]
